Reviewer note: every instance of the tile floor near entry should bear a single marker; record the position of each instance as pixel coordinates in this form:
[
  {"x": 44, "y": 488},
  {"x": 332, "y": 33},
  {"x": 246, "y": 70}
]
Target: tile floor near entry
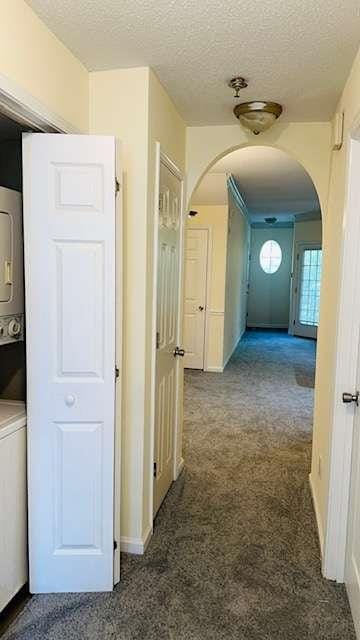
[{"x": 235, "y": 553}]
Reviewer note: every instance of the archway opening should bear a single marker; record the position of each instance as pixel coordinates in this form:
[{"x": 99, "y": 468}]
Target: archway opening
[{"x": 253, "y": 256}]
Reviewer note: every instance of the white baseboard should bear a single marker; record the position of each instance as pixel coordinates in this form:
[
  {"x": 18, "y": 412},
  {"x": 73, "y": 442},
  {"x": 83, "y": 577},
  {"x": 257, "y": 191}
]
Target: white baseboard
[
  {"x": 179, "y": 468},
  {"x": 317, "y": 516},
  {"x": 137, "y": 546},
  {"x": 214, "y": 369}
]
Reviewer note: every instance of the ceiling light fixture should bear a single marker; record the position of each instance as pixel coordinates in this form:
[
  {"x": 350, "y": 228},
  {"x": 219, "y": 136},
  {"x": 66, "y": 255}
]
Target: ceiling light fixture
[{"x": 258, "y": 116}]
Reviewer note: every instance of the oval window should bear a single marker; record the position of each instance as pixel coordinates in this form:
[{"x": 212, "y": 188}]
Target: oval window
[{"x": 270, "y": 256}]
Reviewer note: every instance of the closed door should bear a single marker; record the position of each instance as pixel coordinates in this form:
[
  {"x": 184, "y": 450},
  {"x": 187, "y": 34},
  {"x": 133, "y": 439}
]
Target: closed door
[
  {"x": 307, "y": 281},
  {"x": 269, "y": 278},
  {"x": 352, "y": 566},
  {"x": 196, "y": 256},
  {"x": 167, "y": 362},
  {"x": 69, "y": 240}
]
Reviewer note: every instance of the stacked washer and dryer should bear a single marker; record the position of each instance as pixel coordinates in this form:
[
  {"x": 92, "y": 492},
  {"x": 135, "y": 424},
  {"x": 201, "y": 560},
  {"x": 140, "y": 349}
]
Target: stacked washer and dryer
[{"x": 13, "y": 531}]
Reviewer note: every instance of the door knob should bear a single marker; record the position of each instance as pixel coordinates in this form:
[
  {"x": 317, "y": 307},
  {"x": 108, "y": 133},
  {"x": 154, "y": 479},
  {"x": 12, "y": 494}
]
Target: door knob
[
  {"x": 70, "y": 400},
  {"x": 179, "y": 352},
  {"x": 351, "y": 397},
  {"x": 201, "y": 308}
]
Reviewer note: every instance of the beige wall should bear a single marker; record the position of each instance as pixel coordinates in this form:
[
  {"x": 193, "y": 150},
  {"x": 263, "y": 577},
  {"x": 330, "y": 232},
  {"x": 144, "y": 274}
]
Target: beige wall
[
  {"x": 332, "y": 236},
  {"x": 236, "y": 277},
  {"x": 214, "y": 218},
  {"x": 132, "y": 105},
  {"x": 307, "y": 142},
  {"x": 35, "y": 60},
  {"x": 308, "y": 231},
  {"x": 119, "y": 106}
]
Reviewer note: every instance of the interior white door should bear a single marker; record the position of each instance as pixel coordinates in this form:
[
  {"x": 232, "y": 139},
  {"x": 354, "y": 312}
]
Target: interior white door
[
  {"x": 352, "y": 564},
  {"x": 306, "y": 289},
  {"x": 196, "y": 256},
  {"x": 167, "y": 364},
  {"x": 69, "y": 232}
]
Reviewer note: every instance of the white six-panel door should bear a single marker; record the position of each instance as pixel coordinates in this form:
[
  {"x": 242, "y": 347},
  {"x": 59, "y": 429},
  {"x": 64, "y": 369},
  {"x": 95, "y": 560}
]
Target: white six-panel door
[
  {"x": 196, "y": 256},
  {"x": 69, "y": 237},
  {"x": 167, "y": 365}
]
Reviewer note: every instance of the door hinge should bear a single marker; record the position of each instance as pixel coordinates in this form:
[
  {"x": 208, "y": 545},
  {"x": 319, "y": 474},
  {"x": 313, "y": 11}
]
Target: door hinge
[
  {"x": 294, "y": 321},
  {"x": 115, "y": 545},
  {"x": 155, "y": 470},
  {"x": 117, "y": 186},
  {"x": 117, "y": 373},
  {"x": 158, "y": 339}
]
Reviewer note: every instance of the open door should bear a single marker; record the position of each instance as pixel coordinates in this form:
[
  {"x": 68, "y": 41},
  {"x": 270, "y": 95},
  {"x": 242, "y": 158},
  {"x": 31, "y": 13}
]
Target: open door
[
  {"x": 167, "y": 330},
  {"x": 69, "y": 238}
]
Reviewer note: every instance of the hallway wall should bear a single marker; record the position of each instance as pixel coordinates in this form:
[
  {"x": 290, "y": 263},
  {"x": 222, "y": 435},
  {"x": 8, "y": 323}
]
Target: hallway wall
[{"x": 237, "y": 258}]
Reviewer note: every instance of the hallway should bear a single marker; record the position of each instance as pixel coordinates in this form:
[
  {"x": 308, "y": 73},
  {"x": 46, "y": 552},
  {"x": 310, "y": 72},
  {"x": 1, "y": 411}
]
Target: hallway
[{"x": 235, "y": 553}]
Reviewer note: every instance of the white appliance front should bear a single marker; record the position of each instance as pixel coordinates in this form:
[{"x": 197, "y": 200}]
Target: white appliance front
[{"x": 11, "y": 267}]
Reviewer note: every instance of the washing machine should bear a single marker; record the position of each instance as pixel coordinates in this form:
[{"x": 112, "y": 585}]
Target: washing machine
[{"x": 11, "y": 267}]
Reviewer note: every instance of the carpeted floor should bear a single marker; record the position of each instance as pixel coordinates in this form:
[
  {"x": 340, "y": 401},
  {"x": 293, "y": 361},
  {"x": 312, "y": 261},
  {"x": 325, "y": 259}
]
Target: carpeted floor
[{"x": 235, "y": 553}]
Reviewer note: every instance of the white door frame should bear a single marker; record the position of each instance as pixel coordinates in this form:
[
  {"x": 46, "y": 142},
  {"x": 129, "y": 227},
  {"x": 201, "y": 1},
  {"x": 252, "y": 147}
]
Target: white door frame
[
  {"x": 348, "y": 335},
  {"x": 161, "y": 157},
  {"x": 207, "y": 228},
  {"x": 21, "y": 106}
]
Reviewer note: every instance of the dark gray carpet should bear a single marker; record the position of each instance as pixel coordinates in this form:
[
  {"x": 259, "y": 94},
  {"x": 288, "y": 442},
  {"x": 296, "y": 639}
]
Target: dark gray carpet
[{"x": 235, "y": 553}]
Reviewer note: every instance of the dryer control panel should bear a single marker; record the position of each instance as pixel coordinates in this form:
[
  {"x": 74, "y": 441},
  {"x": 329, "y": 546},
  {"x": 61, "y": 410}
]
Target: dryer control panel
[{"x": 11, "y": 329}]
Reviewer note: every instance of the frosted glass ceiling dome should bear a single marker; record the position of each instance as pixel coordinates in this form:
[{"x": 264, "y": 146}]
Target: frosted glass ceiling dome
[{"x": 258, "y": 116}]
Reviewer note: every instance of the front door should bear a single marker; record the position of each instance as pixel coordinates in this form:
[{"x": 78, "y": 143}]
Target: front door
[
  {"x": 196, "y": 255},
  {"x": 167, "y": 363},
  {"x": 69, "y": 241},
  {"x": 352, "y": 565}
]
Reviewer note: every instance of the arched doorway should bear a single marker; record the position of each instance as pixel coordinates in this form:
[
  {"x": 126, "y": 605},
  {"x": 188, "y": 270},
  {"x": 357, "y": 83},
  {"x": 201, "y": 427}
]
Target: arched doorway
[{"x": 281, "y": 211}]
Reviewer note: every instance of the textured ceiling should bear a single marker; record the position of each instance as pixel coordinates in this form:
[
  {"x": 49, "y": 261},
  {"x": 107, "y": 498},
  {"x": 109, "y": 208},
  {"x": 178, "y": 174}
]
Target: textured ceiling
[
  {"x": 270, "y": 182},
  {"x": 297, "y": 53}
]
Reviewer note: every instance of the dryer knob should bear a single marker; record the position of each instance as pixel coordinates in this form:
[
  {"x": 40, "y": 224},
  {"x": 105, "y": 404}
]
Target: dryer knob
[{"x": 14, "y": 328}]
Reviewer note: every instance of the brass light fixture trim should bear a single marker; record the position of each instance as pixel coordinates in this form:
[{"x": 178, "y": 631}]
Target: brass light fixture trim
[
  {"x": 237, "y": 84},
  {"x": 246, "y": 112}
]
